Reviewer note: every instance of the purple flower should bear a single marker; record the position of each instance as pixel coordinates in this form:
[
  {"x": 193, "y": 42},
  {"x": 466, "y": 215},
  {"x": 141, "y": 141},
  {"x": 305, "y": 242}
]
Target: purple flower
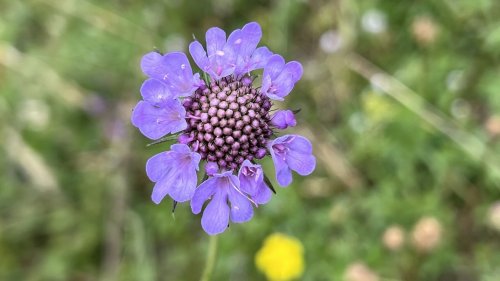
[
  {"x": 291, "y": 152},
  {"x": 243, "y": 44},
  {"x": 174, "y": 70},
  {"x": 252, "y": 182},
  {"x": 221, "y": 59},
  {"x": 155, "y": 92},
  {"x": 236, "y": 56},
  {"x": 283, "y": 119},
  {"x": 156, "y": 121},
  {"x": 279, "y": 78},
  {"x": 174, "y": 172},
  {"x": 225, "y": 121},
  {"x": 227, "y": 202},
  {"x": 211, "y": 168}
]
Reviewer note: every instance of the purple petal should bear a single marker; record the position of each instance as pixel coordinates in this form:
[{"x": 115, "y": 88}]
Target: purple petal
[
  {"x": 222, "y": 63},
  {"x": 161, "y": 189},
  {"x": 155, "y": 122},
  {"x": 179, "y": 76},
  {"x": 155, "y": 92},
  {"x": 283, "y": 175},
  {"x": 151, "y": 65},
  {"x": 243, "y": 43},
  {"x": 221, "y": 56},
  {"x": 298, "y": 144},
  {"x": 251, "y": 33},
  {"x": 241, "y": 207},
  {"x": 250, "y": 177},
  {"x": 291, "y": 152},
  {"x": 259, "y": 59},
  {"x": 183, "y": 184},
  {"x": 300, "y": 158},
  {"x": 156, "y": 166},
  {"x": 202, "y": 193},
  {"x": 252, "y": 182},
  {"x": 184, "y": 149},
  {"x": 174, "y": 172},
  {"x": 278, "y": 78},
  {"x": 303, "y": 164},
  {"x": 211, "y": 168},
  {"x": 267, "y": 82},
  {"x": 235, "y": 40},
  {"x": 274, "y": 66},
  {"x": 199, "y": 55},
  {"x": 283, "y": 119},
  {"x": 216, "y": 39},
  {"x": 215, "y": 217},
  {"x": 290, "y": 119},
  {"x": 286, "y": 80},
  {"x": 263, "y": 194},
  {"x": 294, "y": 69}
]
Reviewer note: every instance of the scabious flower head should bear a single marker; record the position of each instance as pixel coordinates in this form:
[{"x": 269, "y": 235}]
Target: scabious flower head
[
  {"x": 281, "y": 257},
  {"x": 224, "y": 120}
]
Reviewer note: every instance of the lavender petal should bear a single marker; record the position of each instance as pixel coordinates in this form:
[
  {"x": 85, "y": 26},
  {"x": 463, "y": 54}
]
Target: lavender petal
[
  {"x": 155, "y": 122},
  {"x": 215, "y": 217}
]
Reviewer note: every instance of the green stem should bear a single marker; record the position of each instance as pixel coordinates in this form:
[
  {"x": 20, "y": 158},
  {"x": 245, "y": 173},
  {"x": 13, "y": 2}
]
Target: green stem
[{"x": 211, "y": 257}]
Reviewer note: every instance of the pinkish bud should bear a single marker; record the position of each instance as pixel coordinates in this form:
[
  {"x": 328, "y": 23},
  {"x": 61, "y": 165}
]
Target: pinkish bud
[
  {"x": 426, "y": 234},
  {"x": 393, "y": 238},
  {"x": 283, "y": 119}
]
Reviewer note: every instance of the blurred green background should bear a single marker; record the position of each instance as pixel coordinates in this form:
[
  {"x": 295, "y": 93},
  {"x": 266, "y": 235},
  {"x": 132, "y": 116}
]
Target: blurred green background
[{"x": 400, "y": 98}]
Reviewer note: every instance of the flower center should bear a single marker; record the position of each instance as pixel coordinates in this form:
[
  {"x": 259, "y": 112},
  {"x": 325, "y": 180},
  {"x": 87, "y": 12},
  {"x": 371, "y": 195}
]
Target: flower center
[{"x": 228, "y": 122}]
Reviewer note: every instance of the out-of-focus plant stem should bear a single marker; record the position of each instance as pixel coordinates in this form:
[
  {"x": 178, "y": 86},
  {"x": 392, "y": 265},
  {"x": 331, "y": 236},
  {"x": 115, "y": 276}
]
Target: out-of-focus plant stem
[
  {"x": 468, "y": 142},
  {"x": 211, "y": 258}
]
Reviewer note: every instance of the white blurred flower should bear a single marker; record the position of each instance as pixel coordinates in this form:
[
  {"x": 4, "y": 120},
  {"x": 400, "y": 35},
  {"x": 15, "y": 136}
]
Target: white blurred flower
[
  {"x": 374, "y": 21},
  {"x": 460, "y": 108},
  {"x": 426, "y": 234},
  {"x": 358, "y": 271},
  {"x": 330, "y": 41},
  {"x": 34, "y": 113},
  {"x": 454, "y": 80},
  {"x": 424, "y": 30},
  {"x": 494, "y": 216},
  {"x": 357, "y": 122},
  {"x": 492, "y": 125},
  {"x": 394, "y": 237}
]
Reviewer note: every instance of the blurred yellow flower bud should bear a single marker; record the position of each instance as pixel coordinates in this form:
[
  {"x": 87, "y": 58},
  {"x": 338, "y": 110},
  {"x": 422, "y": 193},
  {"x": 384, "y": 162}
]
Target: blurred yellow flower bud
[{"x": 281, "y": 257}]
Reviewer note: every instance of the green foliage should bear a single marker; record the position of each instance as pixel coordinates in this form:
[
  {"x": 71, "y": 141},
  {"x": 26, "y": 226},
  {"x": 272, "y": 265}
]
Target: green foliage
[{"x": 74, "y": 197}]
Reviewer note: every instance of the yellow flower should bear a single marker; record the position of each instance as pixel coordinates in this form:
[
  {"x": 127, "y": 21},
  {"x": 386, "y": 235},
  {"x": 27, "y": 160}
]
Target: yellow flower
[
  {"x": 281, "y": 257},
  {"x": 378, "y": 108}
]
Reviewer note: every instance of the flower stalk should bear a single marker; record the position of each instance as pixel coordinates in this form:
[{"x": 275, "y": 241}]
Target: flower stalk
[{"x": 211, "y": 258}]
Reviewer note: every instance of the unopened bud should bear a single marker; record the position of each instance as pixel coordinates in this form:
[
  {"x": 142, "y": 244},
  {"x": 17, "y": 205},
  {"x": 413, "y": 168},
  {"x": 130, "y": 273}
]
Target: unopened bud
[
  {"x": 283, "y": 119},
  {"x": 211, "y": 168}
]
